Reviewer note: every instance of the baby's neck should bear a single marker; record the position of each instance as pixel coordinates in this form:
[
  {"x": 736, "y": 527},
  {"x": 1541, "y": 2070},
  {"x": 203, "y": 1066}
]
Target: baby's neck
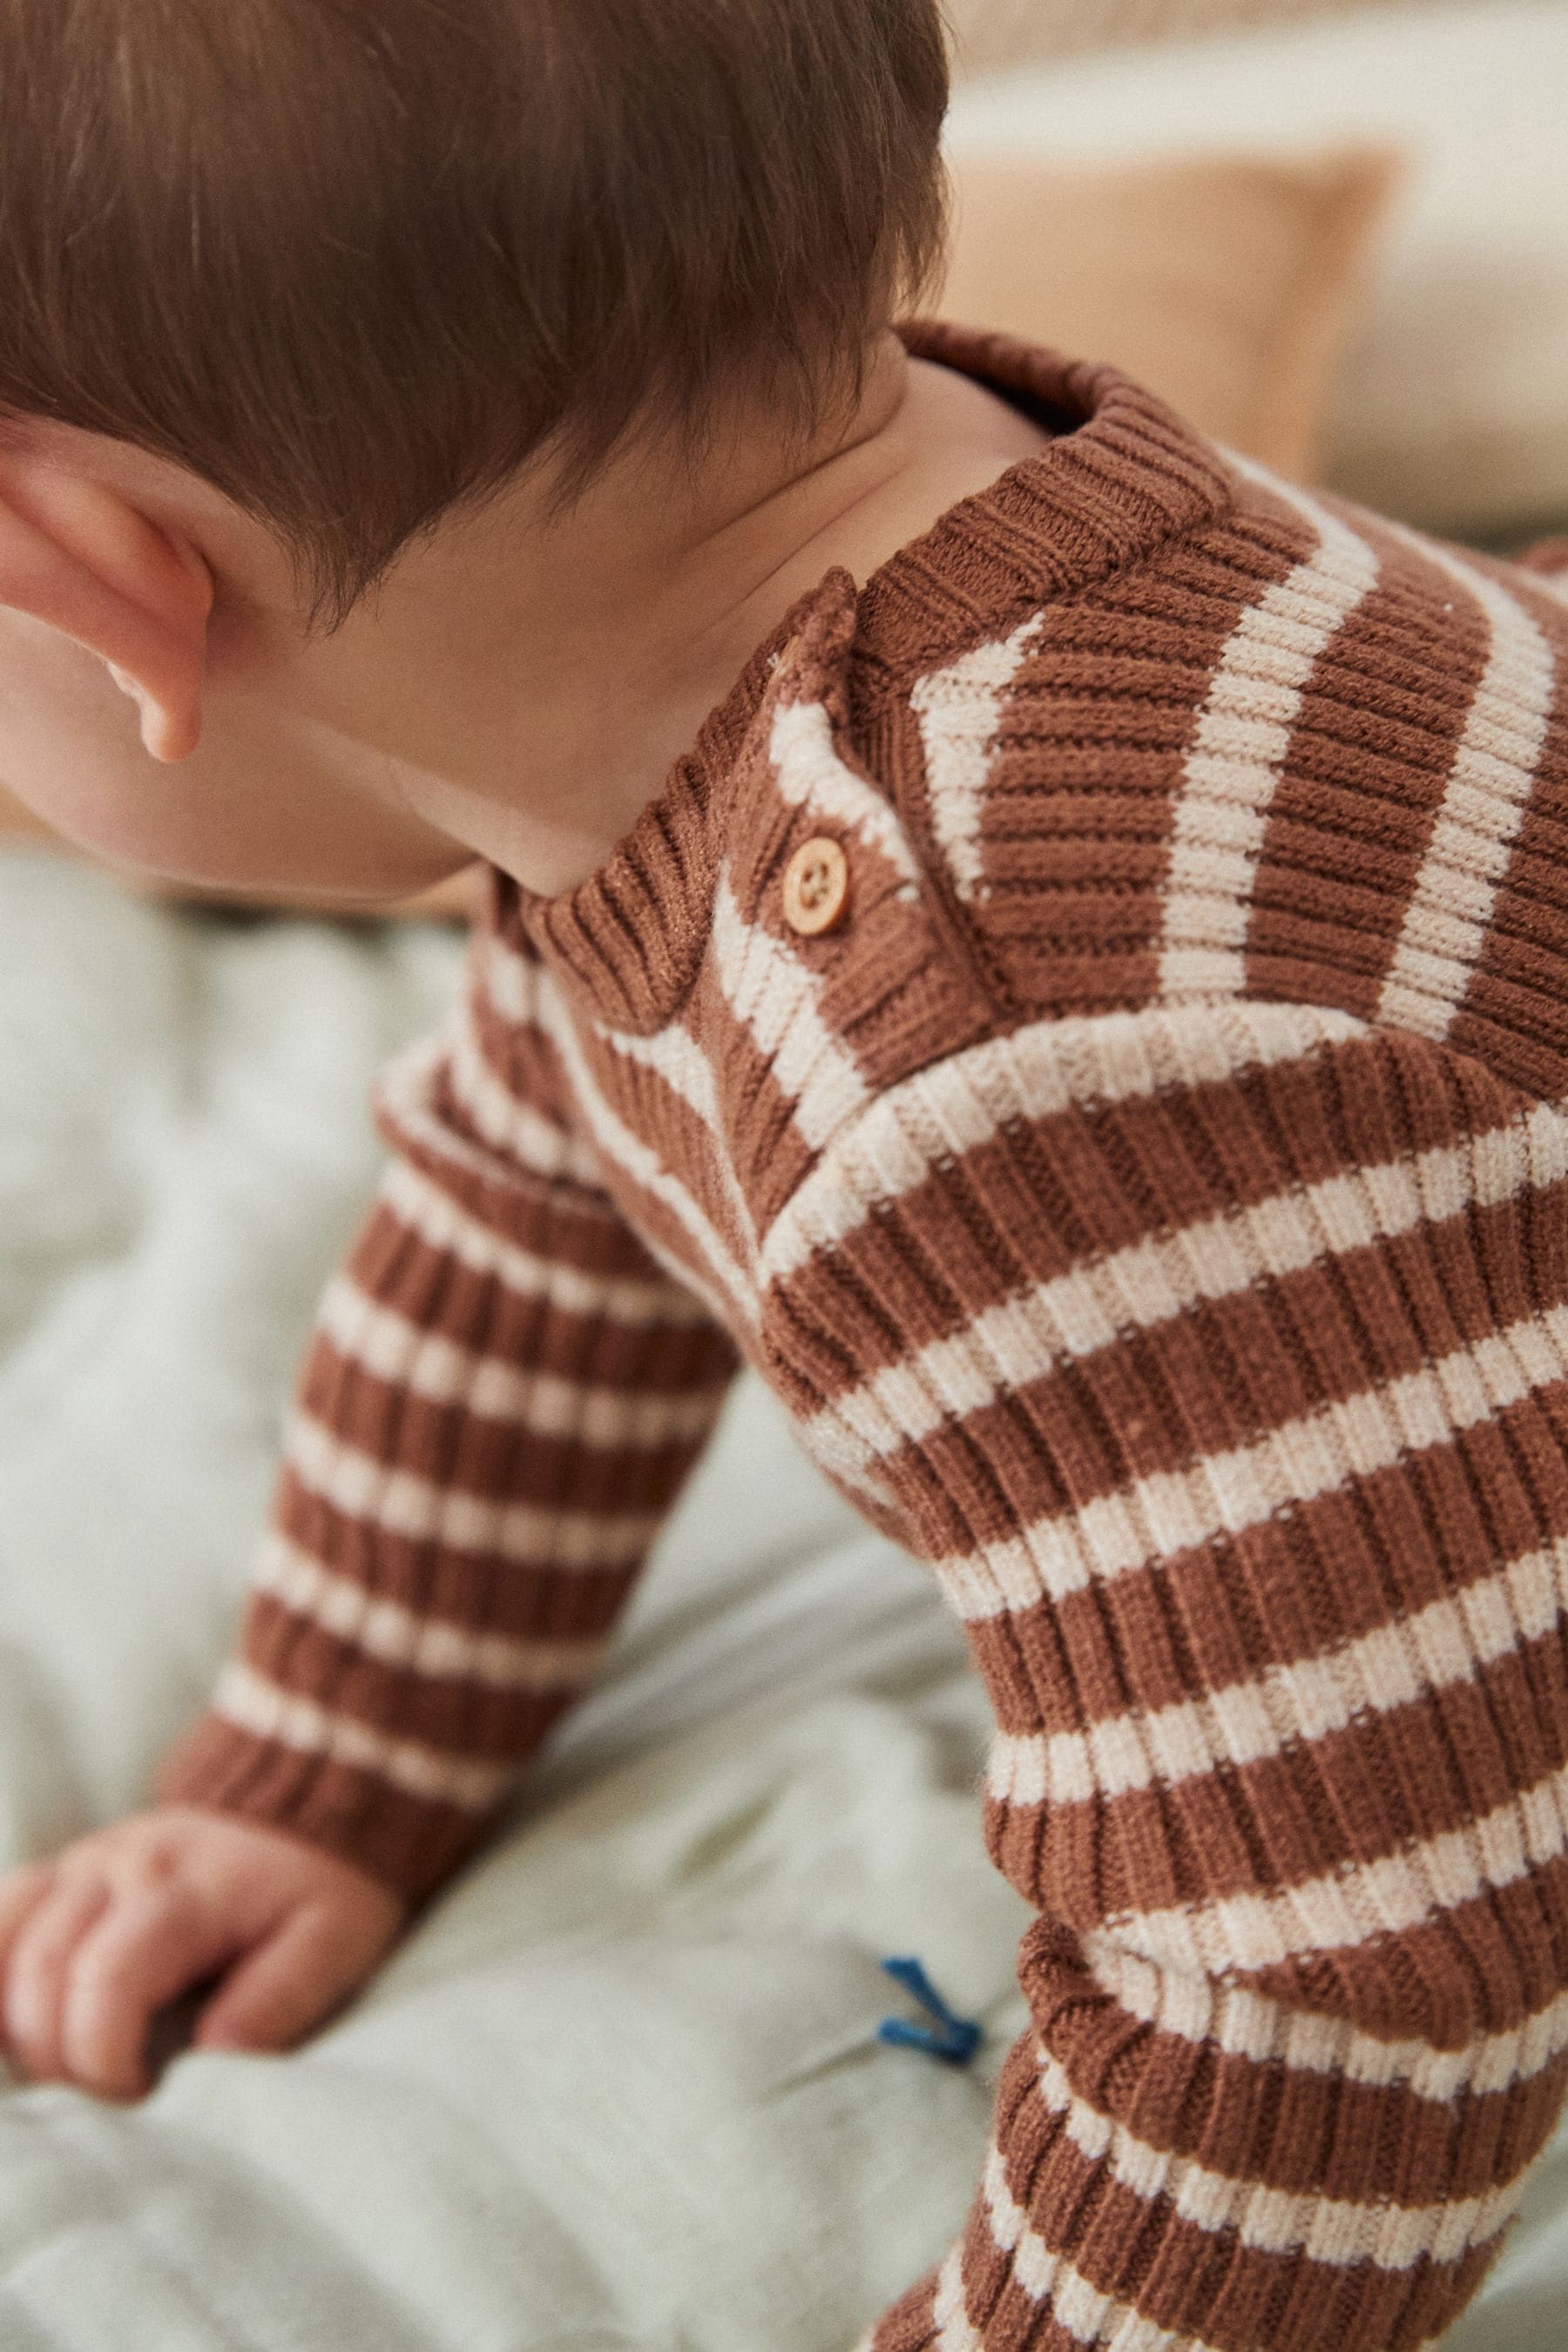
[{"x": 597, "y": 672}]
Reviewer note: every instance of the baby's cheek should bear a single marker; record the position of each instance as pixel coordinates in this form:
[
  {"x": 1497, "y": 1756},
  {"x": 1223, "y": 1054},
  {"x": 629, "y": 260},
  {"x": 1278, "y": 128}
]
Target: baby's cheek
[
  {"x": 70, "y": 748},
  {"x": 253, "y": 811},
  {"x": 108, "y": 818},
  {"x": 18, "y": 822}
]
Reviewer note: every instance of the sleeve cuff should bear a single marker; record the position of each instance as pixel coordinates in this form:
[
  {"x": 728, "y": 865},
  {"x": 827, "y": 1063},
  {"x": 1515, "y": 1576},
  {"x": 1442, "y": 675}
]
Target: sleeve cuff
[{"x": 413, "y": 1843}]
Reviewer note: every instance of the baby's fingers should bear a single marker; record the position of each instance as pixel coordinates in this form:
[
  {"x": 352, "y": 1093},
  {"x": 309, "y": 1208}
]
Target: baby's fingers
[
  {"x": 21, "y": 1892},
  {"x": 40, "y": 1960},
  {"x": 144, "y": 1950},
  {"x": 287, "y": 1984}
]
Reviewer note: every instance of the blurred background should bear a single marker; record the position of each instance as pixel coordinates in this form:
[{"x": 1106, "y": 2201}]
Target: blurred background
[{"x": 1337, "y": 235}]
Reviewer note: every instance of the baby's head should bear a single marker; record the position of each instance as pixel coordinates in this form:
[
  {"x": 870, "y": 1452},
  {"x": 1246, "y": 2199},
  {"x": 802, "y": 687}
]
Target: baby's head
[{"x": 293, "y": 293}]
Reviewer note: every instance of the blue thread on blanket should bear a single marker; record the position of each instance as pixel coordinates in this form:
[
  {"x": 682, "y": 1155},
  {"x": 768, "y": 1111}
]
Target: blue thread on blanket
[{"x": 958, "y": 2038}]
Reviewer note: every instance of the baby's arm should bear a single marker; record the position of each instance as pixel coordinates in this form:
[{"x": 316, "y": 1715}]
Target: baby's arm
[{"x": 499, "y": 1401}]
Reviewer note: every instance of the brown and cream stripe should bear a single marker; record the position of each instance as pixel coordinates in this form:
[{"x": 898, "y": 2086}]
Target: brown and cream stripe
[{"x": 1150, "y": 1201}]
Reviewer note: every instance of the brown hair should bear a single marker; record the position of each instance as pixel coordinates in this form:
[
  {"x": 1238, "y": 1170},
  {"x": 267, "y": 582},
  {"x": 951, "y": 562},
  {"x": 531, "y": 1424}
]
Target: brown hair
[{"x": 355, "y": 261}]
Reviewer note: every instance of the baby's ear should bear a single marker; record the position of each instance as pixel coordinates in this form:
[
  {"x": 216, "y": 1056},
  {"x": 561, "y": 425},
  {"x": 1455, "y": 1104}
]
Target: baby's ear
[{"x": 76, "y": 552}]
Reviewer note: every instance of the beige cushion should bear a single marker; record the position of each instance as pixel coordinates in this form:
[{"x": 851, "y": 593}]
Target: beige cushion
[
  {"x": 1451, "y": 406},
  {"x": 1226, "y": 284}
]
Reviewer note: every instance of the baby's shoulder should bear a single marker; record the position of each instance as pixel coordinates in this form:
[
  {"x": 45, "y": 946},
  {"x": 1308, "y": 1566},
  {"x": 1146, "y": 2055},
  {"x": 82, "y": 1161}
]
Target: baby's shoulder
[{"x": 1302, "y": 754}]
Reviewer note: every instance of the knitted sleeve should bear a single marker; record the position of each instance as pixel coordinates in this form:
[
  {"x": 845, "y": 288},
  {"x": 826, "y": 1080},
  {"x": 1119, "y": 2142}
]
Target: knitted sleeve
[
  {"x": 501, "y": 1396},
  {"x": 1217, "y": 1358}
]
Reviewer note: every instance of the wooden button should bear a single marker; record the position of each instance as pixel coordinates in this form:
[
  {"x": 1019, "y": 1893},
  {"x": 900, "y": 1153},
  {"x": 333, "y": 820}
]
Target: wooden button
[{"x": 816, "y": 885}]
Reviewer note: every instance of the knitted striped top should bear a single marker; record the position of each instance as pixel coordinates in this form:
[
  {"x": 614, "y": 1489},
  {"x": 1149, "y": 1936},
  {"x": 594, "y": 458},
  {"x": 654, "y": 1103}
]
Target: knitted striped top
[{"x": 1137, "y": 1154}]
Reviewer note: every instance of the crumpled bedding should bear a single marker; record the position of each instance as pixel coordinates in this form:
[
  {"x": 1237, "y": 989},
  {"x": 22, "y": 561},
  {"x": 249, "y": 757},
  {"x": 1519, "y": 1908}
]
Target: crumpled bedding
[{"x": 620, "y": 2086}]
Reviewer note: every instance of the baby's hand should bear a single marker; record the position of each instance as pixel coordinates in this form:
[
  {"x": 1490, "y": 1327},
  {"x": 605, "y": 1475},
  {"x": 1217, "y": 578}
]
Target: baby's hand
[{"x": 94, "y": 1942}]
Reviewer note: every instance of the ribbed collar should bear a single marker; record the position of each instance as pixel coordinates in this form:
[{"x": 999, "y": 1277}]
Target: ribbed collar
[{"x": 1123, "y": 476}]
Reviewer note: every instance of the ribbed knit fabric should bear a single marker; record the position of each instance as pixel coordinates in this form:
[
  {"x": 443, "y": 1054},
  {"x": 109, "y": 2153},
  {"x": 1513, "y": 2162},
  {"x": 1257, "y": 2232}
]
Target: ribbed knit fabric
[{"x": 1150, "y": 1201}]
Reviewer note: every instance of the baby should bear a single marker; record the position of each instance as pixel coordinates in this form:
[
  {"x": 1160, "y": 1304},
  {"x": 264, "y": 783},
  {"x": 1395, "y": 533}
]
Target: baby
[{"x": 1047, "y": 943}]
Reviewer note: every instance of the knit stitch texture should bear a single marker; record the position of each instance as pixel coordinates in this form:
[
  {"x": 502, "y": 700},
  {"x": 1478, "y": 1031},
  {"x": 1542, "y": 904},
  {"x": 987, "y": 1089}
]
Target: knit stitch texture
[{"x": 1150, "y": 1201}]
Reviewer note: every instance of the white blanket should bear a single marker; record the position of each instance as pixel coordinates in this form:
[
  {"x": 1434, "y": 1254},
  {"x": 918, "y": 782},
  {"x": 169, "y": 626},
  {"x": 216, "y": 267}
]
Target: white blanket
[{"x": 620, "y": 2091}]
